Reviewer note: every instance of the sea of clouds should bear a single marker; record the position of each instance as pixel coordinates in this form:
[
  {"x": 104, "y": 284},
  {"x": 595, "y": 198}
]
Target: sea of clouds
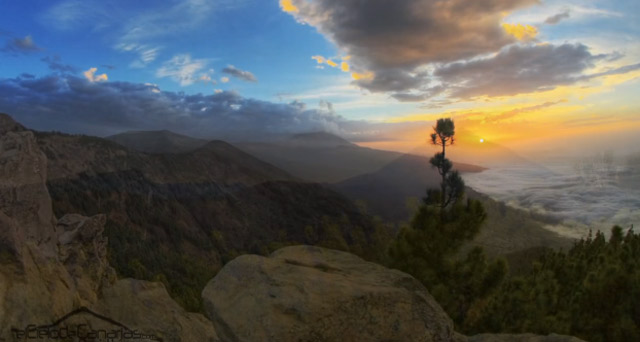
[{"x": 582, "y": 194}]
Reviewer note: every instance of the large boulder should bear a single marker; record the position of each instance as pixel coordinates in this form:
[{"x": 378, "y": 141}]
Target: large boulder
[
  {"x": 145, "y": 306},
  {"x": 305, "y": 293}
]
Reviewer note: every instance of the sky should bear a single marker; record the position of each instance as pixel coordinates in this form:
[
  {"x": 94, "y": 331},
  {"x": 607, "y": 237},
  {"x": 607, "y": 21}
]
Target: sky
[{"x": 535, "y": 76}]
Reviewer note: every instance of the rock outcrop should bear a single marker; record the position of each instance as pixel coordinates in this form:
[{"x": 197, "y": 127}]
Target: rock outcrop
[
  {"x": 305, "y": 293},
  {"x": 148, "y": 307},
  {"x": 57, "y": 270},
  {"x": 309, "y": 294}
]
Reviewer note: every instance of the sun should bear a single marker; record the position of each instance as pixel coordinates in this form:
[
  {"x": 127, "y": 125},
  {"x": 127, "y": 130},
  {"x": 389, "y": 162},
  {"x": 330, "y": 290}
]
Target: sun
[{"x": 481, "y": 141}]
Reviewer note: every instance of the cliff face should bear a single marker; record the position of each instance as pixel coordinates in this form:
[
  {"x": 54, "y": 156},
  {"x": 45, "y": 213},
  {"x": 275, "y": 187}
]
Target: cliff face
[{"x": 50, "y": 268}]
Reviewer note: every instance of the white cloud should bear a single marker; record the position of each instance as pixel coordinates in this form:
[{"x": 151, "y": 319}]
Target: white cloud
[
  {"x": 182, "y": 69},
  {"x": 146, "y": 54},
  {"x": 91, "y": 76},
  {"x": 224, "y": 79}
]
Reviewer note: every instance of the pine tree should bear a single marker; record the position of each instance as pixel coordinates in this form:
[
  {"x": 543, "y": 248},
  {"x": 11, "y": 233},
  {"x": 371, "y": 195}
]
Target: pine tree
[
  {"x": 452, "y": 185},
  {"x": 428, "y": 248}
]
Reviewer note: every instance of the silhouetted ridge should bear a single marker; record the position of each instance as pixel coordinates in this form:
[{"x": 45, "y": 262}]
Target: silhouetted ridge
[
  {"x": 321, "y": 139},
  {"x": 163, "y": 141}
]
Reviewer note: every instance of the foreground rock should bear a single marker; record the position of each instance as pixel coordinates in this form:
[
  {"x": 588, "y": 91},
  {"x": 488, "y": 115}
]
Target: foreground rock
[
  {"x": 307, "y": 293},
  {"x": 57, "y": 271},
  {"x": 147, "y": 307}
]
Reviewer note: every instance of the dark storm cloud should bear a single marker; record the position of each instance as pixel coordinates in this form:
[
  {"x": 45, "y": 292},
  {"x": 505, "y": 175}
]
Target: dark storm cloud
[
  {"x": 55, "y": 64},
  {"x": 394, "y": 38},
  {"x": 24, "y": 45},
  {"x": 518, "y": 69},
  {"x": 240, "y": 74},
  {"x": 554, "y": 19},
  {"x": 75, "y": 105}
]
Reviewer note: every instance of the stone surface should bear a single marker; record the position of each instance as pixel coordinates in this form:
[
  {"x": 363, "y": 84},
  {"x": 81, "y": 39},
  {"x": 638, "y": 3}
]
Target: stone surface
[
  {"x": 147, "y": 307},
  {"x": 27, "y": 216},
  {"x": 305, "y": 293},
  {"x": 522, "y": 338},
  {"x": 82, "y": 249}
]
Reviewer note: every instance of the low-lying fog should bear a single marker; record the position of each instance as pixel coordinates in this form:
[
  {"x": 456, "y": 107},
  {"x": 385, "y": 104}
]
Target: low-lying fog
[{"x": 582, "y": 193}]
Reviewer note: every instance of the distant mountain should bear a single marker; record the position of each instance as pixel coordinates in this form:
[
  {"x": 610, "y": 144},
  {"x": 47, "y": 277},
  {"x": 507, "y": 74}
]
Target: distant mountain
[
  {"x": 320, "y": 157},
  {"x": 157, "y": 141},
  {"x": 319, "y": 140}
]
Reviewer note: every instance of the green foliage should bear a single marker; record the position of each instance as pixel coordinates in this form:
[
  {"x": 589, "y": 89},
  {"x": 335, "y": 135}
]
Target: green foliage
[
  {"x": 444, "y": 132},
  {"x": 452, "y": 185},
  {"x": 181, "y": 234},
  {"x": 428, "y": 248},
  {"x": 592, "y": 291},
  {"x": 135, "y": 256}
]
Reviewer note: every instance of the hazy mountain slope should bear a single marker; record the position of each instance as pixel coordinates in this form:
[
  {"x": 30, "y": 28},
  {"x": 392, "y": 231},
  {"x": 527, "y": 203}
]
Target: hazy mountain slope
[
  {"x": 319, "y": 139},
  {"x": 177, "y": 217},
  {"x": 385, "y": 191},
  {"x": 394, "y": 191},
  {"x": 320, "y": 157},
  {"x": 157, "y": 141}
]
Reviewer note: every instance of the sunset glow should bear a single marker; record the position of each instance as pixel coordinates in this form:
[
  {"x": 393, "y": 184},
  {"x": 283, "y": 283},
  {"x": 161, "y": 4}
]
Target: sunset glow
[{"x": 526, "y": 75}]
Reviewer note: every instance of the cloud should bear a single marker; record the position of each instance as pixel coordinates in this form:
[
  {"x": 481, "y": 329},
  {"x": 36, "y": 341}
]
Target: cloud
[
  {"x": 554, "y": 19},
  {"x": 182, "y": 69},
  {"x": 343, "y": 66},
  {"x": 55, "y": 64},
  {"x": 521, "y": 32},
  {"x": 73, "y": 14},
  {"x": 24, "y": 45},
  {"x": 224, "y": 79},
  {"x": 394, "y": 40},
  {"x": 288, "y": 6},
  {"x": 207, "y": 79},
  {"x": 616, "y": 71},
  {"x": 146, "y": 54},
  {"x": 518, "y": 69},
  {"x": 240, "y": 74},
  {"x": 91, "y": 76},
  {"x": 584, "y": 193},
  {"x": 72, "y": 104}
]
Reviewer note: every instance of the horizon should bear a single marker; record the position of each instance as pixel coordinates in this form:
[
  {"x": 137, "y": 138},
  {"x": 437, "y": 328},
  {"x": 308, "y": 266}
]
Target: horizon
[{"x": 532, "y": 77}]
